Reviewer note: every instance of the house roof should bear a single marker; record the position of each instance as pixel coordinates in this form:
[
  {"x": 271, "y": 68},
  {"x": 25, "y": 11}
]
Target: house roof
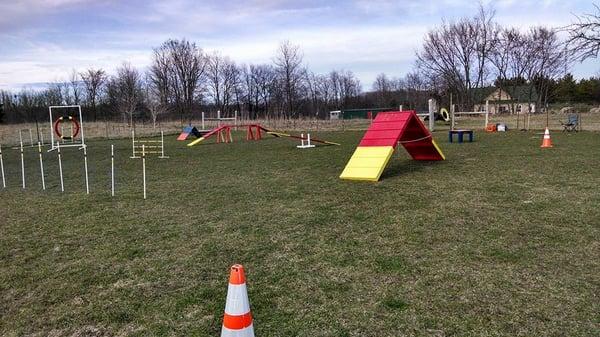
[{"x": 520, "y": 93}]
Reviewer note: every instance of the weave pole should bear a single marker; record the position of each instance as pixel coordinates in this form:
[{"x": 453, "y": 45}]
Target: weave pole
[
  {"x": 112, "y": 170},
  {"x": 22, "y": 163},
  {"x": 62, "y": 184},
  {"x": 87, "y": 180},
  {"x": 144, "y": 168},
  {"x": 2, "y": 168},
  {"x": 41, "y": 166}
]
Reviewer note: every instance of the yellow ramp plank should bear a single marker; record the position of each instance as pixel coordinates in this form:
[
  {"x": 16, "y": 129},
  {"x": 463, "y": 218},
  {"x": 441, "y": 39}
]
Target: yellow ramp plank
[
  {"x": 367, "y": 163},
  {"x": 438, "y": 149}
]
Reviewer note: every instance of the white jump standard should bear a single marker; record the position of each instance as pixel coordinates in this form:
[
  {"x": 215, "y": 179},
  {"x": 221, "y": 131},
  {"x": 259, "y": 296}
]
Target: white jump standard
[
  {"x": 306, "y": 145},
  {"x": 157, "y": 146}
]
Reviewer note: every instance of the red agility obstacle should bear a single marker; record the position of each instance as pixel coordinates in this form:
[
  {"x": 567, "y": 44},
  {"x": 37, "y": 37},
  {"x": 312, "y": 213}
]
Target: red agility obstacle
[{"x": 379, "y": 142}]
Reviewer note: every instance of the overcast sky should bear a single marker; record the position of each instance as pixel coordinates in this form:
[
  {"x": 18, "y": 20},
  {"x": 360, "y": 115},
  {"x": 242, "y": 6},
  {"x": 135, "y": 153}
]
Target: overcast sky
[{"x": 43, "y": 40}]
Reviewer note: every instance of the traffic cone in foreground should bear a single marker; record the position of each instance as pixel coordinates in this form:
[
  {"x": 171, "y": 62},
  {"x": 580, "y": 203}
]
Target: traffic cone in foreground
[
  {"x": 547, "y": 142},
  {"x": 237, "y": 321}
]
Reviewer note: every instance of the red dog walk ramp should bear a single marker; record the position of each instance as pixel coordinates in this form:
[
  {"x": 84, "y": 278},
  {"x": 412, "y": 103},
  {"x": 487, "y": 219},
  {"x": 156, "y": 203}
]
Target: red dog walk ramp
[
  {"x": 237, "y": 321},
  {"x": 379, "y": 142}
]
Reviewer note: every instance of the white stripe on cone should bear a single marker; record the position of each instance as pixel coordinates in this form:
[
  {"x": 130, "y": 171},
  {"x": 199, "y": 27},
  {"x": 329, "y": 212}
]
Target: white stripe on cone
[
  {"x": 246, "y": 332},
  {"x": 547, "y": 134},
  {"x": 237, "y": 303}
]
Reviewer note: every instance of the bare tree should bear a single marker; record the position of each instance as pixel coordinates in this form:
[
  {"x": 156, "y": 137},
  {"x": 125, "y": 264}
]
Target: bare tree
[
  {"x": 382, "y": 87},
  {"x": 264, "y": 78},
  {"x": 125, "y": 91},
  {"x": 178, "y": 68},
  {"x": 457, "y": 53},
  {"x": 223, "y": 80},
  {"x": 584, "y": 35},
  {"x": 154, "y": 100},
  {"x": 288, "y": 63},
  {"x": 93, "y": 80},
  {"x": 75, "y": 83}
]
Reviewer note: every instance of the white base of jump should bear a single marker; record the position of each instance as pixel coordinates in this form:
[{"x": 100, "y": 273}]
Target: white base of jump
[{"x": 304, "y": 145}]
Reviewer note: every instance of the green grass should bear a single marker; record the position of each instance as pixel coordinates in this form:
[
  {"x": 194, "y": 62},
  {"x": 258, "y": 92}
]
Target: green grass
[{"x": 502, "y": 239}]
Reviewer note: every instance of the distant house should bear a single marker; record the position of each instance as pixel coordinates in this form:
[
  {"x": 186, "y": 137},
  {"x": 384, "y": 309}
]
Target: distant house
[{"x": 514, "y": 100}]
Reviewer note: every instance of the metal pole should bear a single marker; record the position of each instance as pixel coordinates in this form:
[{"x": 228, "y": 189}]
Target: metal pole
[
  {"x": 41, "y": 166},
  {"x": 2, "y": 168},
  {"x": 22, "y": 164},
  {"x": 144, "y": 168},
  {"x": 87, "y": 181},
  {"x": 112, "y": 170},
  {"x": 62, "y": 184}
]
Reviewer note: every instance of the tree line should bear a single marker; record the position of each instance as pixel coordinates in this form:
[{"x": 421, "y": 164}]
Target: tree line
[{"x": 456, "y": 59}]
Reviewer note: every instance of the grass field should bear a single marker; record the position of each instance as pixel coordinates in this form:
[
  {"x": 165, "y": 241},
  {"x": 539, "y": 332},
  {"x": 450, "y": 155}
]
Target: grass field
[{"x": 502, "y": 239}]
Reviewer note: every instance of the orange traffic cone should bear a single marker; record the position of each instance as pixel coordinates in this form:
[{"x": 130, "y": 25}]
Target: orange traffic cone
[
  {"x": 237, "y": 321},
  {"x": 547, "y": 142}
]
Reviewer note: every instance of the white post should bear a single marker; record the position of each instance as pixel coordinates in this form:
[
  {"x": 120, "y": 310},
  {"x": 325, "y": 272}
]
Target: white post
[
  {"x": 302, "y": 139},
  {"x": 308, "y": 139},
  {"x": 401, "y": 107},
  {"x": 144, "y": 169},
  {"x": 162, "y": 145},
  {"x": 51, "y": 129},
  {"x": 203, "y": 121},
  {"x": 133, "y": 144},
  {"x": 22, "y": 164},
  {"x": 87, "y": 181},
  {"x": 452, "y": 117},
  {"x": 80, "y": 125},
  {"x": 431, "y": 114},
  {"x": 62, "y": 184},
  {"x": 112, "y": 170},
  {"x": 2, "y": 168},
  {"x": 41, "y": 166},
  {"x": 487, "y": 113}
]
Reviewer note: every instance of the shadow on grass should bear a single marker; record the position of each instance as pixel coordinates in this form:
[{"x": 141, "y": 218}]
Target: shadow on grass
[{"x": 402, "y": 167}]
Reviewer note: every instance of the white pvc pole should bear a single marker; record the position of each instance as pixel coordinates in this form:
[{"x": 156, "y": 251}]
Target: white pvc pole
[
  {"x": 42, "y": 166},
  {"x": 22, "y": 164},
  {"x": 2, "y": 168},
  {"x": 144, "y": 168},
  {"x": 112, "y": 170},
  {"x": 87, "y": 181},
  {"x": 203, "y": 121},
  {"x": 162, "y": 145},
  {"x": 487, "y": 113},
  {"x": 62, "y": 184},
  {"x": 81, "y": 125},
  {"x": 133, "y": 144}
]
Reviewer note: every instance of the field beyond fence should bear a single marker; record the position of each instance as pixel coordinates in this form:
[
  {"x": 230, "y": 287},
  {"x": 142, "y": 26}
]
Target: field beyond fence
[{"x": 9, "y": 133}]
